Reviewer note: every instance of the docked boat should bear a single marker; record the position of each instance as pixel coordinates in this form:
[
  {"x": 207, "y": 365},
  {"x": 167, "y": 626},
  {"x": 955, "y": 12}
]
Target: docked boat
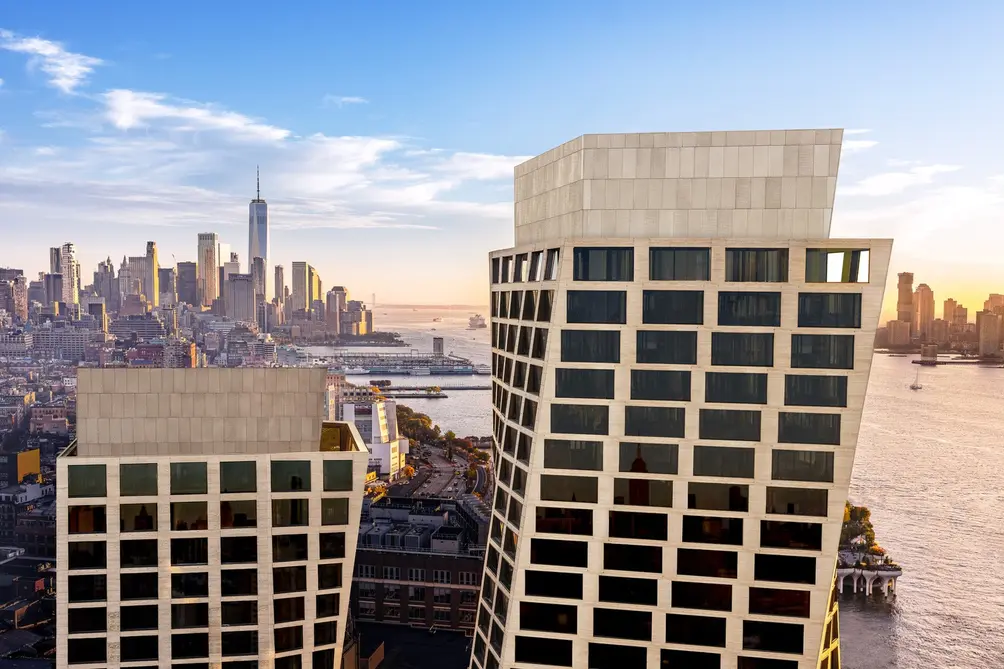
[{"x": 476, "y": 322}]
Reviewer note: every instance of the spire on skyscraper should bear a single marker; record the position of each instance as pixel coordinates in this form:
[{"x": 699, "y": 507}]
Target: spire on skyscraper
[{"x": 257, "y": 172}]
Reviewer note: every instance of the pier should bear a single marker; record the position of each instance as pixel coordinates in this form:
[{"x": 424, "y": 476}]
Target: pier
[
  {"x": 866, "y": 579},
  {"x": 861, "y": 562}
]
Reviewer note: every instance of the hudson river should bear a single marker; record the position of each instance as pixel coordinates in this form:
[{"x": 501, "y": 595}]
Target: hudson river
[{"x": 930, "y": 466}]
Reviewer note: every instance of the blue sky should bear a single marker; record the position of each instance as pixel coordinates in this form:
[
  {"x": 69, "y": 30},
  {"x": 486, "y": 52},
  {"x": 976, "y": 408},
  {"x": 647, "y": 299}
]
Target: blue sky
[{"x": 386, "y": 132}]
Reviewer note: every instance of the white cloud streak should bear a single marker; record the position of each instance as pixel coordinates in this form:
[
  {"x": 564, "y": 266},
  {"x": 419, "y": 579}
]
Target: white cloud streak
[
  {"x": 892, "y": 183},
  {"x": 342, "y": 100},
  {"x": 858, "y": 145},
  {"x": 66, "y": 70},
  {"x": 857, "y": 131}
]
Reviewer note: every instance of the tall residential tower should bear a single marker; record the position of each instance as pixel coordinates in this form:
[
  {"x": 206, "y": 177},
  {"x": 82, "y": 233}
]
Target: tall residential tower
[
  {"x": 208, "y": 265},
  {"x": 680, "y": 355}
]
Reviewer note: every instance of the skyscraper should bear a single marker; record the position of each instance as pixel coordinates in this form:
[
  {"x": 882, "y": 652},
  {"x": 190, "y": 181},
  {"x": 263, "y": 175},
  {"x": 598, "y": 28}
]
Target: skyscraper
[
  {"x": 240, "y": 298},
  {"x": 280, "y": 284},
  {"x": 167, "y": 284},
  {"x": 107, "y": 285},
  {"x": 948, "y": 311},
  {"x": 337, "y": 300},
  {"x": 208, "y": 264},
  {"x": 301, "y": 292},
  {"x": 904, "y": 302},
  {"x": 226, "y": 541},
  {"x": 258, "y": 241},
  {"x": 55, "y": 261},
  {"x": 924, "y": 320},
  {"x": 151, "y": 282},
  {"x": 70, "y": 271},
  {"x": 680, "y": 356},
  {"x": 188, "y": 283}
]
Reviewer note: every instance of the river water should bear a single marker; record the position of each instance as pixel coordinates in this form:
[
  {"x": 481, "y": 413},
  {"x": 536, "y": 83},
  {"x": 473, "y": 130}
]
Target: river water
[{"x": 930, "y": 466}]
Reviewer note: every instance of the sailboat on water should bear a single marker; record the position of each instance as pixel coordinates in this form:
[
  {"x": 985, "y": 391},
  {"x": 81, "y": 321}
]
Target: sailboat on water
[{"x": 916, "y": 382}]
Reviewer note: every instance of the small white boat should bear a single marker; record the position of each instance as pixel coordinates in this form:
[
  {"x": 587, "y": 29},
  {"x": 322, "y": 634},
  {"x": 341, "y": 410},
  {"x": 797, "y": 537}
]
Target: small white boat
[{"x": 916, "y": 383}]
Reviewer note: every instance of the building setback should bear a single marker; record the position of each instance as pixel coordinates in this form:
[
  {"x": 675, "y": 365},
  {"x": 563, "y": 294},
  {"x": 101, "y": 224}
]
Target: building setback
[
  {"x": 680, "y": 356},
  {"x": 207, "y": 516}
]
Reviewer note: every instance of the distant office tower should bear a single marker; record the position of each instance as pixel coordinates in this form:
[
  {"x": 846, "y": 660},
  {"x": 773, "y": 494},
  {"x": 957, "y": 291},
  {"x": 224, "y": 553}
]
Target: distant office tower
[
  {"x": 988, "y": 333},
  {"x": 904, "y": 302},
  {"x": 167, "y": 284},
  {"x": 232, "y": 266},
  {"x": 240, "y": 298},
  {"x": 19, "y": 297},
  {"x": 306, "y": 287},
  {"x": 107, "y": 285},
  {"x": 336, "y": 301},
  {"x": 948, "y": 311},
  {"x": 71, "y": 273},
  {"x": 208, "y": 272},
  {"x": 226, "y": 541},
  {"x": 55, "y": 260},
  {"x": 258, "y": 237},
  {"x": 679, "y": 381},
  {"x": 151, "y": 282},
  {"x": 280, "y": 284},
  {"x": 924, "y": 301},
  {"x": 257, "y": 272},
  {"x": 53, "y": 288},
  {"x": 188, "y": 283},
  {"x": 314, "y": 289},
  {"x": 961, "y": 317},
  {"x": 97, "y": 311}
]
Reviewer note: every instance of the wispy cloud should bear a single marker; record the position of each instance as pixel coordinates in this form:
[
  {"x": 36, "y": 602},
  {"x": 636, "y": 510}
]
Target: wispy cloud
[
  {"x": 858, "y": 145},
  {"x": 342, "y": 100},
  {"x": 891, "y": 183},
  {"x": 857, "y": 131},
  {"x": 66, "y": 70},
  {"x": 480, "y": 166}
]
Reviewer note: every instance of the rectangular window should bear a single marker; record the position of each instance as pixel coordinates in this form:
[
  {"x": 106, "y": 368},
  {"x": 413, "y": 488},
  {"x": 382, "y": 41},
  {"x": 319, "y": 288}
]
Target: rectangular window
[
  {"x": 566, "y": 454},
  {"x": 815, "y": 391},
  {"x": 189, "y": 516},
  {"x": 735, "y": 388},
  {"x": 86, "y": 481},
  {"x": 829, "y": 310},
  {"x": 707, "y": 596},
  {"x": 648, "y": 458},
  {"x": 289, "y": 579},
  {"x": 784, "y": 568},
  {"x": 630, "y": 557},
  {"x": 560, "y": 618},
  {"x": 793, "y": 535},
  {"x": 189, "y": 551},
  {"x": 609, "y": 656},
  {"x": 561, "y": 585},
  {"x": 287, "y": 610},
  {"x": 337, "y": 475},
  {"x": 773, "y": 637},
  {"x": 813, "y": 466},
  {"x": 596, "y": 306},
  {"x": 239, "y": 643},
  {"x": 327, "y": 606},
  {"x": 643, "y": 492},
  {"x": 756, "y": 265},
  {"x": 624, "y": 590},
  {"x": 326, "y": 633},
  {"x": 535, "y": 265},
  {"x": 519, "y": 269},
  {"x": 87, "y": 519},
  {"x": 666, "y": 347},
  {"x": 622, "y": 624},
  {"x": 238, "y": 477},
  {"x": 332, "y": 545},
  {"x": 556, "y": 488},
  {"x": 239, "y": 582},
  {"x": 667, "y": 385},
  {"x": 588, "y": 383},
  {"x": 654, "y": 421},
  {"x": 716, "y": 564},
  {"x": 797, "y": 501},
  {"x": 603, "y": 264},
  {"x": 188, "y": 478},
  {"x": 290, "y": 512},
  {"x": 234, "y": 550},
  {"x": 88, "y": 651},
  {"x": 86, "y": 621},
  {"x": 808, "y": 428},
  {"x": 537, "y": 650},
  {"x": 289, "y": 547},
  {"x": 691, "y": 659},
  {"x": 135, "y": 586},
  {"x": 184, "y": 616},
  {"x": 239, "y": 613},
  {"x": 184, "y": 646},
  {"x": 137, "y": 517},
  {"x": 544, "y": 308},
  {"x": 580, "y": 419},
  {"x": 238, "y": 513},
  {"x": 836, "y": 265},
  {"x": 564, "y": 521},
  {"x": 137, "y": 479},
  {"x": 749, "y": 309},
  {"x": 335, "y": 511},
  {"x": 730, "y": 425},
  {"x": 288, "y": 638},
  {"x": 724, "y": 461},
  {"x": 695, "y": 630},
  {"x": 742, "y": 349},
  {"x": 718, "y": 496},
  {"x": 713, "y": 530},
  {"x": 290, "y": 476},
  {"x": 778, "y": 602},
  {"x": 142, "y": 553},
  {"x": 558, "y": 552},
  {"x": 673, "y": 307},
  {"x": 136, "y": 618},
  {"x": 507, "y": 269},
  {"x": 87, "y": 555},
  {"x": 636, "y": 525},
  {"x": 189, "y": 585},
  {"x": 329, "y": 576},
  {"x": 679, "y": 264},
  {"x": 822, "y": 351}
]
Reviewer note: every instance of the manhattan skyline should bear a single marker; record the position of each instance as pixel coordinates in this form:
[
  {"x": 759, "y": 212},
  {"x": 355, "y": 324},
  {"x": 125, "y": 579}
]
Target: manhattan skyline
[{"x": 386, "y": 157}]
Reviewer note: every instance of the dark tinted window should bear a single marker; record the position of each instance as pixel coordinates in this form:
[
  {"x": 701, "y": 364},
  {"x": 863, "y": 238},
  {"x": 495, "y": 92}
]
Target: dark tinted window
[
  {"x": 717, "y": 564},
  {"x": 815, "y": 391},
  {"x": 794, "y": 535},
  {"x": 713, "y": 530},
  {"x": 239, "y": 643},
  {"x": 142, "y": 553},
  {"x": 289, "y": 547},
  {"x": 188, "y": 478},
  {"x": 657, "y": 384},
  {"x": 327, "y": 605},
  {"x": 557, "y": 488},
  {"x": 238, "y": 549},
  {"x": 290, "y": 512},
  {"x": 695, "y": 630},
  {"x": 742, "y": 349},
  {"x": 797, "y": 501},
  {"x": 589, "y": 383},
  {"x": 325, "y": 633},
  {"x": 727, "y": 424},
  {"x": 622, "y": 624},
  {"x": 666, "y": 348},
  {"x": 808, "y": 428},
  {"x": 829, "y": 310},
  {"x": 238, "y": 513},
  {"x": 332, "y": 545},
  {"x": 81, "y": 621},
  {"x": 654, "y": 421},
  {"x": 561, "y": 618},
  {"x": 553, "y": 584},
  {"x": 643, "y": 492},
  {"x": 738, "y": 388},
  {"x": 564, "y": 521},
  {"x": 85, "y": 480},
  {"x": 590, "y": 346},
  {"x": 649, "y": 458},
  {"x": 726, "y": 461},
  {"x": 644, "y": 591},
  {"x": 189, "y": 516},
  {"x": 784, "y": 568},
  {"x": 239, "y": 613},
  {"x": 289, "y": 579},
  {"x": 673, "y": 307},
  {"x": 756, "y": 265},
  {"x": 189, "y": 645},
  {"x": 691, "y": 659},
  {"x": 779, "y": 602},
  {"x": 773, "y": 637},
  {"x": 570, "y": 454},
  {"x": 133, "y": 618},
  {"x": 90, "y": 519},
  {"x": 637, "y": 525},
  {"x": 137, "y": 479},
  {"x": 559, "y": 552},
  {"x": 87, "y": 555},
  {"x": 189, "y": 551},
  {"x": 579, "y": 419},
  {"x": 86, "y": 651},
  {"x": 189, "y": 615},
  {"x": 238, "y": 477},
  {"x": 679, "y": 264},
  {"x": 802, "y": 466},
  {"x": 718, "y": 496},
  {"x": 190, "y": 585},
  {"x": 603, "y": 264},
  {"x": 337, "y": 475},
  {"x": 239, "y": 582},
  {"x": 329, "y": 576},
  {"x": 537, "y": 650},
  {"x": 749, "y": 309},
  {"x": 596, "y": 306},
  {"x": 709, "y": 596},
  {"x": 287, "y": 610},
  {"x": 822, "y": 351},
  {"x": 290, "y": 476},
  {"x": 628, "y": 557},
  {"x": 608, "y": 656},
  {"x": 136, "y": 586}
]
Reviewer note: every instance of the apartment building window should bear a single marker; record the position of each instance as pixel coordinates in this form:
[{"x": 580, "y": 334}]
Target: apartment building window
[
  {"x": 392, "y": 573},
  {"x": 535, "y": 265},
  {"x": 558, "y": 552},
  {"x": 630, "y": 557},
  {"x": 544, "y": 308},
  {"x": 748, "y": 309},
  {"x": 87, "y": 555},
  {"x": 519, "y": 270},
  {"x": 441, "y": 576},
  {"x": 756, "y": 265},
  {"x": 238, "y": 477},
  {"x": 239, "y": 613},
  {"x": 648, "y": 458},
  {"x": 742, "y": 349},
  {"x": 713, "y": 530},
  {"x": 728, "y": 424},
  {"x": 829, "y": 310},
  {"x": 636, "y": 525},
  {"x": 773, "y": 637},
  {"x": 809, "y": 428},
  {"x": 369, "y": 571},
  {"x": 560, "y": 618},
  {"x": 86, "y": 481},
  {"x": 189, "y": 551},
  {"x": 822, "y": 351},
  {"x": 184, "y": 616},
  {"x": 87, "y": 621},
  {"x": 87, "y": 519},
  {"x": 561, "y": 585},
  {"x": 416, "y": 574},
  {"x": 718, "y": 496},
  {"x": 289, "y": 579},
  {"x": 695, "y": 630},
  {"x": 290, "y": 512},
  {"x": 701, "y": 562},
  {"x": 288, "y": 638},
  {"x": 673, "y": 307},
  {"x": 86, "y": 651},
  {"x": 724, "y": 461},
  {"x": 735, "y": 388},
  {"x": 239, "y": 582},
  {"x": 235, "y": 550},
  {"x": 337, "y": 475},
  {"x": 643, "y": 492},
  {"x": 289, "y": 547},
  {"x": 137, "y": 517},
  {"x": 134, "y": 586},
  {"x": 654, "y": 421},
  {"x": 329, "y": 576},
  {"x": 572, "y": 454},
  {"x": 784, "y": 568},
  {"x": 139, "y": 648},
  {"x": 798, "y": 501},
  {"x": 665, "y": 385},
  {"x": 537, "y": 650},
  {"x": 564, "y": 521},
  {"x": 288, "y": 610},
  {"x": 190, "y": 585},
  {"x": 590, "y": 346},
  {"x": 135, "y": 554},
  {"x": 836, "y": 265},
  {"x": 239, "y": 643},
  {"x": 624, "y": 590},
  {"x": 811, "y": 466},
  {"x": 666, "y": 347},
  {"x": 584, "y": 383},
  {"x": 137, "y": 479},
  {"x": 579, "y": 419},
  {"x": 679, "y": 264},
  {"x": 596, "y": 306},
  {"x": 603, "y": 264},
  {"x": 332, "y": 545},
  {"x": 792, "y": 535},
  {"x": 189, "y": 516},
  {"x": 442, "y": 595},
  {"x": 238, "y": 513},
  {"x": 327, "y": 606},
  {"x": 815, "y": 391},
  {"x": 551, "y": 265},
  {"x": 290, "y": 476},
  {"x": 557, "y": 488}
]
